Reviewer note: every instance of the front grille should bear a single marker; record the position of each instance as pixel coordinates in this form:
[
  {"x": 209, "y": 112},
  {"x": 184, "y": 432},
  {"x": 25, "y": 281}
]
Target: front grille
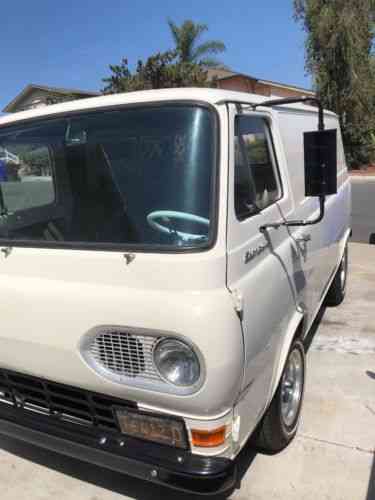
[
  {"x": 58, "y": 401},
  {"x": 123, "y": 354}
]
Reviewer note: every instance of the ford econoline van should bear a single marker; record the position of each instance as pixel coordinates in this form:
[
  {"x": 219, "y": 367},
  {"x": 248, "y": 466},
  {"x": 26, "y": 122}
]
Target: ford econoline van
[{"x": 163, "y": 257}]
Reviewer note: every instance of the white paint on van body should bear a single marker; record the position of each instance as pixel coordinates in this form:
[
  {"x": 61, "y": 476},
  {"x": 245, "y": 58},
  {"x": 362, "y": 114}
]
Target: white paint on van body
[{"x": 51, "y": 297}]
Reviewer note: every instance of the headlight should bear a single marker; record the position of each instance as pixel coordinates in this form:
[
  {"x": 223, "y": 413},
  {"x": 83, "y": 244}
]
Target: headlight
[{"x": 177, "y": 362}]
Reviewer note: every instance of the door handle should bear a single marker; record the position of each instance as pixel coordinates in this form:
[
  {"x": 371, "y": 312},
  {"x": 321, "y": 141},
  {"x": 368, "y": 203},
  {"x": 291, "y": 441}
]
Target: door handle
[
  {"x": 6, "y": 251},
  {"x": 304, "y": 238}
]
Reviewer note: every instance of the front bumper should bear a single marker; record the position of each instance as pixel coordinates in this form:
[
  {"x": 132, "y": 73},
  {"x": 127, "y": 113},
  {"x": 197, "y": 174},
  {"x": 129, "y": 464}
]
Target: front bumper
[{"x": 164, "y": 465}]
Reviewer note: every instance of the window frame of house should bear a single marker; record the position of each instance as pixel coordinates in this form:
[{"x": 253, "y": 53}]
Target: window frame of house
[{"x": 273, "y": 160}]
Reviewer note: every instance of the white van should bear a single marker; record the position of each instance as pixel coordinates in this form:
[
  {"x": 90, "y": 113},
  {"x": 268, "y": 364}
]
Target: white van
[{"x": 160, "y": 272}]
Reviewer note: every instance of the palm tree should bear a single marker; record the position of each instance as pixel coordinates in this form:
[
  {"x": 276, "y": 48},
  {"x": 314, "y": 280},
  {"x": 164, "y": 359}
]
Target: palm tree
[{"x": 186, "y": 37}]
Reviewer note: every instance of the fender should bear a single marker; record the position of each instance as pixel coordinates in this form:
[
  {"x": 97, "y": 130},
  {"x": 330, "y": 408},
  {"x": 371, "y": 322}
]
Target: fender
[
  {"x": 296, "y": 322},
  {"x": 242, "y": 406},
  {"x": 293, "y": 327}
]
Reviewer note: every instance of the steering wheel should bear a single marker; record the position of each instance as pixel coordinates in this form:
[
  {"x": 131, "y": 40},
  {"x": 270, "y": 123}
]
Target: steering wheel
[{"x": 167, "y": 216}]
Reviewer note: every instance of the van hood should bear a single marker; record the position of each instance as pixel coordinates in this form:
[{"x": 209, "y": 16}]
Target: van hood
[{"x": 51, "y": 298}]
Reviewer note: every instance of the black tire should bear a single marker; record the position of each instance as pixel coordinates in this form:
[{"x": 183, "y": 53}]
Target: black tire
[
  {"x": 337, "y": 290},
  {"x": 273, "y": 433}
]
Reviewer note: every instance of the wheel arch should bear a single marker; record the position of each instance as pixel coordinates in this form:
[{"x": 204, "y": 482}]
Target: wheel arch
[
  {"x": 294, "y": 331},
  {"x": 343, "y": 243}
]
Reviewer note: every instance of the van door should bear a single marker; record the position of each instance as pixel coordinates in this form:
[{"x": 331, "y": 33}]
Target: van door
[
  {"x": 266, "y": 271},
  {"x": 311, "y": 240},
  {"x": 337, "y": 208}
]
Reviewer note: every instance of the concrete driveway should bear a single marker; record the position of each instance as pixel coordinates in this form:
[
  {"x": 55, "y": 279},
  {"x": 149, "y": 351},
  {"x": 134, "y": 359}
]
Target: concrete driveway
[
  {"x": 331, "y": 458},
  {"x": 363, "y": 207}
]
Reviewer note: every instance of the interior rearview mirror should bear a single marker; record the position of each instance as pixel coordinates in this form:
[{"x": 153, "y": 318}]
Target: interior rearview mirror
[{"x": 320, "y": 151}]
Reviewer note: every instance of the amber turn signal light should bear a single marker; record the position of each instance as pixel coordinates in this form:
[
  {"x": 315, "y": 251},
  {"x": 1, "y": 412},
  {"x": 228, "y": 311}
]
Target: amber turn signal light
[{"x": 208, "y": 439}]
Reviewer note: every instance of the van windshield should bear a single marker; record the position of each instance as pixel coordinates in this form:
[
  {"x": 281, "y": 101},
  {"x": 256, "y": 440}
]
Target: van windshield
[{"x": 141, "y": 177}]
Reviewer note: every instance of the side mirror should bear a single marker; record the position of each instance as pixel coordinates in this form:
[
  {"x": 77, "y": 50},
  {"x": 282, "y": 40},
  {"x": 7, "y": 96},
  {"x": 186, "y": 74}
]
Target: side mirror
[{"x": 320, "y": 149}]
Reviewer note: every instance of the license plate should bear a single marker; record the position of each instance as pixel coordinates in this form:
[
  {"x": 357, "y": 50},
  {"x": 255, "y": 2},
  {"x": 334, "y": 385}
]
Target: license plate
[{"x": 159, "y": 429}]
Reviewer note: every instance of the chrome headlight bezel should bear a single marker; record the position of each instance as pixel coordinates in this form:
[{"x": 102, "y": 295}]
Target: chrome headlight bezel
[
  {"x": 180, "y": 344},
  {"x": 154, "y": 385}
]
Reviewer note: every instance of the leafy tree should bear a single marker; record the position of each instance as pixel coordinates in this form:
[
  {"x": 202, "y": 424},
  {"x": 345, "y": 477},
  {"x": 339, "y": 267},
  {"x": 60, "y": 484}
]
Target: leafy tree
[
  {"x": 162, "y": 70},
  {"x": 338, "y": 55},
  {"x": 186, "y": 38}
]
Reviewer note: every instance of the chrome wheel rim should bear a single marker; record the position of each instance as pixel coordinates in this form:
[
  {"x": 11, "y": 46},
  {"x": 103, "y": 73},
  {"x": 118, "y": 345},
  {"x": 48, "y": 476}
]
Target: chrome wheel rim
[
  {"x": 343, "y": 270},
  {"x": 291, "y": 388}
]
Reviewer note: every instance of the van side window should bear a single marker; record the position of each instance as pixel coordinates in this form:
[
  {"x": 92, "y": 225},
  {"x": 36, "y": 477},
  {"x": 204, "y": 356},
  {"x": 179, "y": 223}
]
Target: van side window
[{"x": 256, "y": 180}]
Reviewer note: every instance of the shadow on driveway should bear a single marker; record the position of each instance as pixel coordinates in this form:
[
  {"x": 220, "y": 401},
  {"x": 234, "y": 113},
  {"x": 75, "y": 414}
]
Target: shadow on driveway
[{"x": 314, "y": 328}]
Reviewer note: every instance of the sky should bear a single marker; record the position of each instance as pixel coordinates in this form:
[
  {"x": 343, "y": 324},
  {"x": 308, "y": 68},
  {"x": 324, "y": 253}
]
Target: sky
[{"x": 71, "y": 43}]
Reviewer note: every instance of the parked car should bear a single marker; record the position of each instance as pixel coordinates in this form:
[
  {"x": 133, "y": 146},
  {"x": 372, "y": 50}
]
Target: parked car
[{"x": 157, "y": 290}]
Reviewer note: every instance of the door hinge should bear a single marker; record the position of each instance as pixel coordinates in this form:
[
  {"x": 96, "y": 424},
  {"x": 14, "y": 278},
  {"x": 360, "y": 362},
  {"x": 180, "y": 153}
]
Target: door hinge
[{"x": 237, "y": 302}]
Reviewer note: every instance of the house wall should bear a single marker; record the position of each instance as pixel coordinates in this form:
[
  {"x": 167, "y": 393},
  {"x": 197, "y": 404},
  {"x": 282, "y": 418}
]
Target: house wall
[
  {"x": 38, "y": 97},
  {"x": 244, "y": 84},
  {"x": 238, "y": 83},
  {"x": 283, "y": 92},
  {"x": 30, "y": 98},
  {"x": 262, "y": 89}
]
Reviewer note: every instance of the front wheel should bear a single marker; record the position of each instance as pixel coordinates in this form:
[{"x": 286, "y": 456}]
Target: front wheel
[{"x": 279, "y": 425}]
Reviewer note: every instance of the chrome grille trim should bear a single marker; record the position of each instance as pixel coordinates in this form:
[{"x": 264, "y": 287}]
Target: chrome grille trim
[
  {"x": 125, "y": 354},
  {"x": 61, "y": 403}
]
